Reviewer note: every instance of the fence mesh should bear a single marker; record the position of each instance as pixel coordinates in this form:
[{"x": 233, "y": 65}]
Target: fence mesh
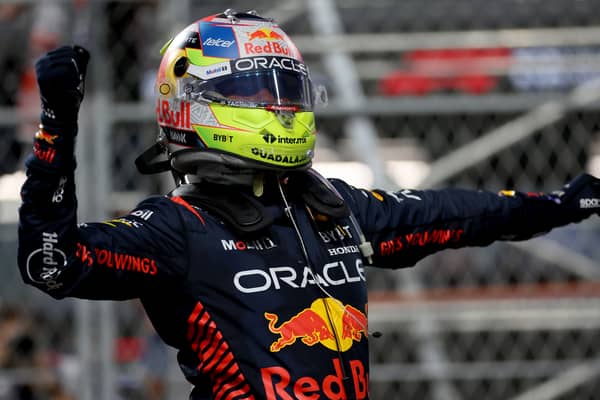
[{"x": 503, "y": 322}]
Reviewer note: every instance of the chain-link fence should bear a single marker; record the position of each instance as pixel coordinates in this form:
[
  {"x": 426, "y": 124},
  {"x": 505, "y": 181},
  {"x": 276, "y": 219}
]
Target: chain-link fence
[{"x": 476, "y": 94}]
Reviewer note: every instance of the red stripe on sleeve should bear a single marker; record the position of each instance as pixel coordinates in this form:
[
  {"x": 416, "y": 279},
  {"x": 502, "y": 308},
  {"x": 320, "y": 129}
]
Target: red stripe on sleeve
[{"x": 179, "y": 200}]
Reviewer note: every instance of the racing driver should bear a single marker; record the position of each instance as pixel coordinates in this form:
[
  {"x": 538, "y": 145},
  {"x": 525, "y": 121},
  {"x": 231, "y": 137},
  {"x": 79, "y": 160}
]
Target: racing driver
[{"x": 253, "y": 266}]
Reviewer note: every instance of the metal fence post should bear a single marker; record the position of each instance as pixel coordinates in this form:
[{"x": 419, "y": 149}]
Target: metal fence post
[{"x": 96, "y": 320}]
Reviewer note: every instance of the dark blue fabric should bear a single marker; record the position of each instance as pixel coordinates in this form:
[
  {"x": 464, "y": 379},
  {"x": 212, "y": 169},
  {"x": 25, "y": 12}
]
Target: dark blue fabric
[
  {"x": 247, "y": 314},
  {"x": 60, "y": 76}
]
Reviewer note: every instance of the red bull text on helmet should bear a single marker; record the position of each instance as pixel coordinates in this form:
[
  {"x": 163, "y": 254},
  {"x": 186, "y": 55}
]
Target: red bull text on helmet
[{"x": 269, "y": 41}]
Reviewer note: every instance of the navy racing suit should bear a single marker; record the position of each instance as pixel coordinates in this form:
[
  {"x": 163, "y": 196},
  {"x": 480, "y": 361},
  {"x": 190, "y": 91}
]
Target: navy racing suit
[{"x": 279, "y": 314}]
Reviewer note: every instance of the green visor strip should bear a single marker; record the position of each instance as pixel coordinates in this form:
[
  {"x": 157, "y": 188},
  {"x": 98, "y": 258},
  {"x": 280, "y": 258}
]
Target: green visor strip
[{"x": 257, "y": 134}]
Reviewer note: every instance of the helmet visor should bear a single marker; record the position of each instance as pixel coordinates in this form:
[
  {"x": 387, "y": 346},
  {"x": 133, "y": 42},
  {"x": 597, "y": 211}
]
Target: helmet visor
[{"x": 271, "y": 89}]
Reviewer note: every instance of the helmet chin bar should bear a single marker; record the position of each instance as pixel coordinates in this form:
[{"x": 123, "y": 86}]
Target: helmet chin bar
[
  {"x": 188, "y": 161},
  {"x": 194, "y": 165}
]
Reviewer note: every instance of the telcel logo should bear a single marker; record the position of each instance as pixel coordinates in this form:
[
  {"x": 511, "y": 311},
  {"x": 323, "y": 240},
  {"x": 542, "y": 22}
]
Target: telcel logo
[{"x": 218, "y": 42}]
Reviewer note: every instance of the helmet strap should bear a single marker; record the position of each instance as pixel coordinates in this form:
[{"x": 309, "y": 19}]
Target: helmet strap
[
  {"x": 147, "y": 162},
  {"x": 318, "y": 195},
  {"x": 245, "y": 214}
]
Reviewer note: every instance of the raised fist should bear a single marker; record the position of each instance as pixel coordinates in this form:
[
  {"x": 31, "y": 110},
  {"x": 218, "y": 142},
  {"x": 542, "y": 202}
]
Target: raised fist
[{"x": 61, "y": 79}]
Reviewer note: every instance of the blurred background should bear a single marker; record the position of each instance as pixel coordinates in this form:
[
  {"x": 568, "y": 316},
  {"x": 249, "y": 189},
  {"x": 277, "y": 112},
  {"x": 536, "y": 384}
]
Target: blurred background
[{"x": 422, "y": 94}]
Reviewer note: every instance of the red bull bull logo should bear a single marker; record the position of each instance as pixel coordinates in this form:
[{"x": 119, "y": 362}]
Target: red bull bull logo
[
  {"x": 265, "y": 34},
  {"x": 321, "y": 323},
  {"x": 267, "y": 41},
  {"x": 46, "y": 137},
  {"x": 354, "y": 324}
]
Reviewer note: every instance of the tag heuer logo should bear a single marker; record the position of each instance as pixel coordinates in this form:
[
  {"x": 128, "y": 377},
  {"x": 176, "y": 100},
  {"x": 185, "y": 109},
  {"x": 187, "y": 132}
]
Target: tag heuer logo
[{"x": 269, "y": 138}]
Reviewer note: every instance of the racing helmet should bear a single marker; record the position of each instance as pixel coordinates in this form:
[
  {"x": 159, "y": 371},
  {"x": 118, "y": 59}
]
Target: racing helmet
[{"x": 233, "y": 90}]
